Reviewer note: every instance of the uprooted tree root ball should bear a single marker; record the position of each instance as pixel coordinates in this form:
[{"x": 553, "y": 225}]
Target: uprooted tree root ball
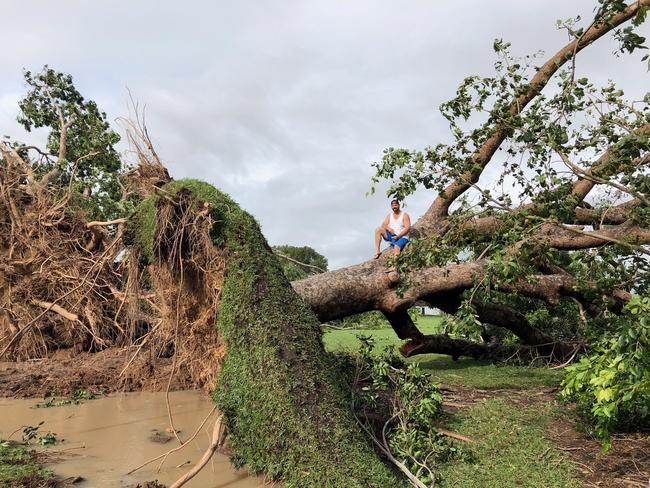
[
  {"x": 180, "y": 267},
  {"x": 190, "y": 280},
  {"x": 286, "y": 408},
  {"x": 58, "y": 273}
]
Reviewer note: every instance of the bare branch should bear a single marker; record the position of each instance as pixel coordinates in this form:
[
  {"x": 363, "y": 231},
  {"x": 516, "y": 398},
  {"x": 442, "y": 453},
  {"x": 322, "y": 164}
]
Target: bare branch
[
  {"x": 217, "y": 440},
  {"x": 99, "y": 223},
  {"x": 584, "y": 185},
  {"x": 300, "y": 263},
  {"x": 615, "y": 215},
  {"x": 14, "y": 160},
  {"x": 589, "y": 176},
  {"x": 573, "y": 239}
]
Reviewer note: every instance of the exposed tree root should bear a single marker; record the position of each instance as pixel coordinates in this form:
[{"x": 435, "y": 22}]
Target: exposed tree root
[{"x": 218, "y": 436}]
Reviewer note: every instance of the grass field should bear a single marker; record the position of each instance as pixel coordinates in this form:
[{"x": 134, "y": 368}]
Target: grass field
[
  {"x": 466, "y": 372},
  {"x": 511, "y": 449}
]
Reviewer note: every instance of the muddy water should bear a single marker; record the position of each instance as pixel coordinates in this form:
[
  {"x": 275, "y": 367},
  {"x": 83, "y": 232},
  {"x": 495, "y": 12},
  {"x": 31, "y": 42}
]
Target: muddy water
[{"x": 107, "y": 437}]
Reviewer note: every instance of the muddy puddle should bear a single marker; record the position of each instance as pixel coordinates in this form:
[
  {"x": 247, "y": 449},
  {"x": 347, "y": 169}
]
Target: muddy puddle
[{"x": 104, "y": 439}]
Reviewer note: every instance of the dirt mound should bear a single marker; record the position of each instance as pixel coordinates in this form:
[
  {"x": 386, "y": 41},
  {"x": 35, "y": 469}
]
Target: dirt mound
[{"x": 65, "y": 371}]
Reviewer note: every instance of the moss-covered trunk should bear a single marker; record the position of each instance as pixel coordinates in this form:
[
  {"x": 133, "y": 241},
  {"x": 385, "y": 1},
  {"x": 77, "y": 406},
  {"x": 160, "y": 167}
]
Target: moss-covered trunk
[{"x": 286, "y": 405}]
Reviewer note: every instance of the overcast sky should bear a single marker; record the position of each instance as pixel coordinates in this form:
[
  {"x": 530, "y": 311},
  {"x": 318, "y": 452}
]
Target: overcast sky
[{"x": 285, "y": 104}]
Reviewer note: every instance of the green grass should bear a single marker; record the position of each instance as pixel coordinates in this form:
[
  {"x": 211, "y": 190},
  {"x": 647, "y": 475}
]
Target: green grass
[
  {"x": 484, "y": 375},
  {"x": 19, "y": 469},
  {"x": 346, "y": 340},
  {"x": 511, "y": 450},
  {"x": 466, "y": 372}
]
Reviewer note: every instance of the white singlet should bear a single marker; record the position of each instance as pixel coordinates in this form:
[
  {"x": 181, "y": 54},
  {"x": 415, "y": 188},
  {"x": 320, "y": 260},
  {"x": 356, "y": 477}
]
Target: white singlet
[{"x": 397, "y": 224}]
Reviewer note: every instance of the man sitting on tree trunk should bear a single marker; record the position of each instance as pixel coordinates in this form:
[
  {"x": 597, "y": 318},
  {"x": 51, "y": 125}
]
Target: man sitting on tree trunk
[{"x": 394, "y": 230}]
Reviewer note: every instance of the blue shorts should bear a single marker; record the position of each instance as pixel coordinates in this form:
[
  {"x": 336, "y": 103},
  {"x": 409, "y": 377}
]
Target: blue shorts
[{"x": 401, "y": 242}]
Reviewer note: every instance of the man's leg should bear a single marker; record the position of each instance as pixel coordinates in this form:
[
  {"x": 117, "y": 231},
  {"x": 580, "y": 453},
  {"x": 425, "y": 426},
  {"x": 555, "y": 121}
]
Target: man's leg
[
  {"x": 400, "y": 244},
  {"x": 379, "y": 233}
]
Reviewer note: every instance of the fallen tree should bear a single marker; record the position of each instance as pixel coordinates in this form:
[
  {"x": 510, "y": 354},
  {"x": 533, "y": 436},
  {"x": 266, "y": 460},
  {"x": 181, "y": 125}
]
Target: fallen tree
[
  {"x": 189, "y": 275},
  {"x": 532, "y": 249}
]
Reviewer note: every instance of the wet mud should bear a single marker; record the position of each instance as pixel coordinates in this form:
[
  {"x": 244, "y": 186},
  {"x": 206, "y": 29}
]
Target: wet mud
[{"x": 102, "y": 440}]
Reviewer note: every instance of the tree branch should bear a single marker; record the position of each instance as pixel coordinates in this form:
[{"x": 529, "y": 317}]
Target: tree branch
[
  {"x": 588, "y": 176},
  {"x": 300, "y": 263},
  {"x": 585, "y": 184},
  {"x": 98, "y": 223},
  {"x": 567, "y": 238},
  {"x": 427, "y": 224}
]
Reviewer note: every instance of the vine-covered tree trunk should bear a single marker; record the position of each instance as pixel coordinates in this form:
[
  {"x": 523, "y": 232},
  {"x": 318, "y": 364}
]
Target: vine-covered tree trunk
[{"x": 286, "y": 405}]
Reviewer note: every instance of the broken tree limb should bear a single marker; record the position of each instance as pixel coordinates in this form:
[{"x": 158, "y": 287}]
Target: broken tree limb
[
  {"x": 457, "y": 348},
  {"x": 217, "y": 441},
  {"x": 403, "y": 325},
  {"x": 299, "y": 263},
  {"x": 99, "y": 223},
  {"x": 49, "y": 306},
  {"x": 517, "y": 323}
]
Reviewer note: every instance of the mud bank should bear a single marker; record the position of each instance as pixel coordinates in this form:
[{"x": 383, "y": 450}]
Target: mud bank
[{"x": 65, "y": 371}]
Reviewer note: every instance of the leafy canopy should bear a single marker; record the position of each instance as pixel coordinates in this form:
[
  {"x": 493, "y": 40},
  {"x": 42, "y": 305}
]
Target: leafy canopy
[
  {"x": 80, "y": 144},
  {"x": 573, "y": 137}
]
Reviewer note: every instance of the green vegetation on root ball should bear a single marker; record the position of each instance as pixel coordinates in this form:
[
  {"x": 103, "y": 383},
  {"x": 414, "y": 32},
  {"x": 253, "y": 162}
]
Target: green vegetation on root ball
[
  {"x": 19, "y": 469},
  {"x": 285, "y": 403}
]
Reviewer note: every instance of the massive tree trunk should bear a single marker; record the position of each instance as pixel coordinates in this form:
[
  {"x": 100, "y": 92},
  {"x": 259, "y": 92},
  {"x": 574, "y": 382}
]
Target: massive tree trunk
[
  {"x": 368, "y": 286},
  {"x": 285, "y": 402}
]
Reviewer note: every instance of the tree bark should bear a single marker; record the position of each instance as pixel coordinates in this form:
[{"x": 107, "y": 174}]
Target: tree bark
[
  {"x": 517, "y": 323},
  {"x": 367, "y": 287}
]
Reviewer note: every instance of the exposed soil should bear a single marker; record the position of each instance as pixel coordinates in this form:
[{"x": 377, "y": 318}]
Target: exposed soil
[
  {"x": 64, "y": 372},
  {"x": 626, "y": 465}
]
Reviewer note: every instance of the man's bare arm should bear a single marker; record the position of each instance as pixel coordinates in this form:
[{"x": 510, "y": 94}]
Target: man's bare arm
[{"x": 384, "y": 224}]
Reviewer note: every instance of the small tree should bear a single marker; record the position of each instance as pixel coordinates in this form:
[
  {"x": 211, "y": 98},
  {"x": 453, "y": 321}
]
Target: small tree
[{"x": 81, "y": 144}]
